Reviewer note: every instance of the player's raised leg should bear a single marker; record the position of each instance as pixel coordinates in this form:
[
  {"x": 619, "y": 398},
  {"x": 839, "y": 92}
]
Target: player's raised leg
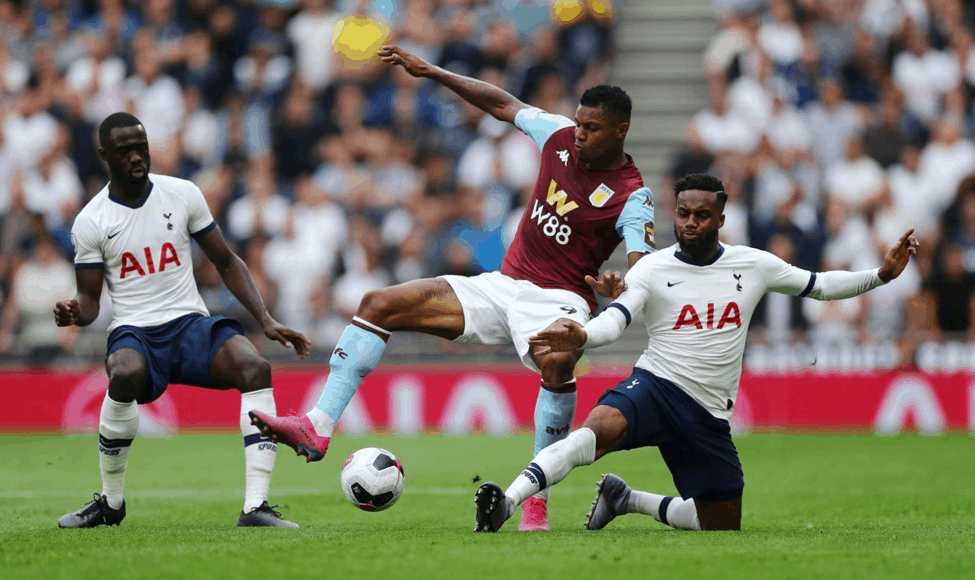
[
  {"x": 554, "y": 411},
  {"x": 118, "y": 423},
  {"x": 429, "y": 306},
  {"x": 237, "y": 365},
  {"x": 604, "y": 431}
]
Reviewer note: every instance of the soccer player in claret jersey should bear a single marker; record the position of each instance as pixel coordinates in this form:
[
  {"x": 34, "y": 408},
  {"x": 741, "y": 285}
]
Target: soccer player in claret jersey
[
  {"x": 697, "y": 298},
  {"x": 589, "y": 197},
  {"x": 135, "y": 235}
]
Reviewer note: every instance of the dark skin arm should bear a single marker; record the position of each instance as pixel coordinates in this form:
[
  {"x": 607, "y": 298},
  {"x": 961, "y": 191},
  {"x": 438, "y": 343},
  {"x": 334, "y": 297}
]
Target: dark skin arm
[
  {"x": 239, "y": 281},
  {"x": 83, "y": 309},
  {"x": 487, "y": 97}
]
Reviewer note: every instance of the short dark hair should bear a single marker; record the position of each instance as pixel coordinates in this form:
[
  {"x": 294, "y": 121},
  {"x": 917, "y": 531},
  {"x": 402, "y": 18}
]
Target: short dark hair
[
  {"x": 118, "y": 120},
  {"x": 612, "y": 99},
  {"x": 701, "y": 182}
]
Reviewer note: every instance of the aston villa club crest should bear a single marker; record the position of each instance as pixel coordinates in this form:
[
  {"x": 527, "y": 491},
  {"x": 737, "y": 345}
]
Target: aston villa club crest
[{"x": 600, "y": 196}]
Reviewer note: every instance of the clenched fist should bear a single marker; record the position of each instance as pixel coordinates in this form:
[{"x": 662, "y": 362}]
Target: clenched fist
[{"x": 67, "y": 313}]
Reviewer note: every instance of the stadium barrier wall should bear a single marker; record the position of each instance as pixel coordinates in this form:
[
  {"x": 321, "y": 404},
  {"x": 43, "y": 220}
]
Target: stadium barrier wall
[{"x": 501, "y": 400}]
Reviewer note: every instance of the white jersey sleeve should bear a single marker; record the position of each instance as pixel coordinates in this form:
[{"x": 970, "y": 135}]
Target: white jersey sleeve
[
  {"x": 87, "y": 243},
  {"x": 783, "y": 277},
  {"x": 200, "y": 221},
  {"x": 836, "y": 285},
  {"x": 540, "y": 125}
]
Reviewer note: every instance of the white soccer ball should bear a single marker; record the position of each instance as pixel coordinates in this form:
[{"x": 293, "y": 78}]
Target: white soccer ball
[{"x": 372, "y": 479}]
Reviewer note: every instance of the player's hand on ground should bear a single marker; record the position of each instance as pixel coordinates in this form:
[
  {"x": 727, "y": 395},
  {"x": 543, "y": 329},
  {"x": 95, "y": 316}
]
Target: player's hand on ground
[
  {"x": 289, "y": 338},
  {"x": 897, "y": 258},
  {"x": 567, "y": 338},
  {"x": 392, "y": 54},
  {"x": 609, "y": 285},
  {"x": 67, "y": 313}
]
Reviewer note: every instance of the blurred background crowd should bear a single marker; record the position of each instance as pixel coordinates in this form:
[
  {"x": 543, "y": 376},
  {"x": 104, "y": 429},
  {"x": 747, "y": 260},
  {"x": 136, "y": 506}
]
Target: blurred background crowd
[
  {"x": 329, "y": 179},
  {"x": 835, "y": 124}
]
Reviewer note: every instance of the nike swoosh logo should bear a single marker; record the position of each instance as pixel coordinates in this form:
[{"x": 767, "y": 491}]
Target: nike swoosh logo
[
  {"x": 115, "y": 234},
  {"x": 669, "y": 284}
]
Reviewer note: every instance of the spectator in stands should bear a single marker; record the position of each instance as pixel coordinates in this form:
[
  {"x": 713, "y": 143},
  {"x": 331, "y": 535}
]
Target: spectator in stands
[
  {"x": 946, "y": 160},
  {"x": 722, "y": 130},
  {"x": 924, "y": 74},
  {"x": 779, "y": 36},
  {"x": 856, "y": 181},
  {"x": 894, "y": 130},
  {"x": 863, "y": 71},
  {"x": 749, "y": 96},
  {"x": 261, "y": 211},
  {"x": 832, "y": 121},
  {"x": 43, "y": 279}
]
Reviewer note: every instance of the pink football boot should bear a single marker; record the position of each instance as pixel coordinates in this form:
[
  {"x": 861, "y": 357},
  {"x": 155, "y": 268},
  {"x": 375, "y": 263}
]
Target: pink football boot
[{"x": 296, "y": 432}]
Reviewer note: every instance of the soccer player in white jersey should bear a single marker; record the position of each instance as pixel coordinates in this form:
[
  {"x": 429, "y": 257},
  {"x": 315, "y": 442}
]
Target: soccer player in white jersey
[
  {"x": 697, "y": 298},
  {"x": 135, "y": 235}
]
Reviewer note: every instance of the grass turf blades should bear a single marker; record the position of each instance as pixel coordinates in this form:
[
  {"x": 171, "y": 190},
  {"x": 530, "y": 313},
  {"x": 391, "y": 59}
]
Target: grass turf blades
[{"x": 816, "y": 506}]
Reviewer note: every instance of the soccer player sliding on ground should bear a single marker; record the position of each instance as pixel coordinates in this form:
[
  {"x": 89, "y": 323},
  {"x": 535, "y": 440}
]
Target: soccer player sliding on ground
[
  {"x": 135, "y": 235},
  {"x": 589, "y": 197},
  {"x": 697, "y": 298}
]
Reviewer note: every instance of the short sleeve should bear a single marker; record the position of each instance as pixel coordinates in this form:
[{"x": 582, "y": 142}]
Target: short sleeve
[
  {"x": 783, "y": 277},
  {"x": 87, "y": 244},
  {"x": 635, "y": 224},
  {"x": 540, "y": 125},
  {"x": 199, "y": 221}
]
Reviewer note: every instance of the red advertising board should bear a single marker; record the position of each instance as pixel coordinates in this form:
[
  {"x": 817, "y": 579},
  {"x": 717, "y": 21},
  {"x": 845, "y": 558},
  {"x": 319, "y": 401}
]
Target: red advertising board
[{"x": 500, "y": 400}]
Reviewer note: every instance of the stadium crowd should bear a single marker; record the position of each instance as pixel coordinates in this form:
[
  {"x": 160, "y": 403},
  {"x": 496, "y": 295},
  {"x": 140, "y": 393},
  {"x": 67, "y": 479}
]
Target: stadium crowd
[
  {"x": 330, "y": 178},
  {"x": 836, "y": 126}
]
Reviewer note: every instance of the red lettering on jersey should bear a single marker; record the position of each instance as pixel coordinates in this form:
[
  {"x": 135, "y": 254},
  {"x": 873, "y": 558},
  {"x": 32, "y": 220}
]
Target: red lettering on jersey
[
  {"x": 152, "y": 269},
  {"x": 730, "y": 315},
  {"x": 130, "y": 264},
  {"x": 710, "y": 315},
  {"x": 171, "y": 257},
  {"x": 688, "y": 317}
]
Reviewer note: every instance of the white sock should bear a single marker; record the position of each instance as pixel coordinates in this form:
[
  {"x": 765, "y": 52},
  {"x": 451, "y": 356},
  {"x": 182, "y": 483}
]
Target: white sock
[
  {"x": 672, "y": 511},
  {"x": 552, "y": 465},
  {"x": 259, "y": 451},
  {"x": 117, "y": 426},
  {"x": 323, "y": 424}
]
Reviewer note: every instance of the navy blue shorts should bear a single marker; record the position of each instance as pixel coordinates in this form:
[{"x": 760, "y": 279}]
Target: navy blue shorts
[
  {"x": 695, "y": 444},
  {"x": 178, "y": 352}
]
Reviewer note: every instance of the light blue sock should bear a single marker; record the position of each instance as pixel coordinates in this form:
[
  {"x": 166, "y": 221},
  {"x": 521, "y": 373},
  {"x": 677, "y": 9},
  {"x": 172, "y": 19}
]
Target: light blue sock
[
  {"x": 553, "y": 418},
  {"x": 357, "y": 353}
]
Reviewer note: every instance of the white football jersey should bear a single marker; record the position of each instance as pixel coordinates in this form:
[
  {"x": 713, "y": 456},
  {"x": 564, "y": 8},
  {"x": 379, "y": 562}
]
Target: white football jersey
[
  {"x": 697, "y": 316},
  {"x": 145, "y": 251}
]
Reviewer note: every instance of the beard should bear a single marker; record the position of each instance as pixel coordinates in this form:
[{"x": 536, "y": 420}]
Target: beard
[{"x": 697, "y": 248}]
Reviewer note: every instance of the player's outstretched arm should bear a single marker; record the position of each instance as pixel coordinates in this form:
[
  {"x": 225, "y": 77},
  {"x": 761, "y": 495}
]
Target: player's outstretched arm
[
  {"x": 487, "y": 97},
  {"x": 83, "y": 309},
  {"x": 239, "y": 281}
]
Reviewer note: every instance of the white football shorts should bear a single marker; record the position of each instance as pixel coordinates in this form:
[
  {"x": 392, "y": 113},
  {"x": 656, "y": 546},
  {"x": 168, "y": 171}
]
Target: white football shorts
[{"x": 501, "y": 310}]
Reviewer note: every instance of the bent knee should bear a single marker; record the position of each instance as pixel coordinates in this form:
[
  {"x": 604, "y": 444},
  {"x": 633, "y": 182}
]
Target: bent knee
[
  {"x": 557, "y": 367},
  {"x": 127, "y": 378},
  {"x": 255, "y": 375},
  {"x": 376, "y": 306}
]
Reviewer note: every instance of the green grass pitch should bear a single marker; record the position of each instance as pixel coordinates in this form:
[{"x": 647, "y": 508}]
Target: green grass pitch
[{"x": 816, "y": 506}]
